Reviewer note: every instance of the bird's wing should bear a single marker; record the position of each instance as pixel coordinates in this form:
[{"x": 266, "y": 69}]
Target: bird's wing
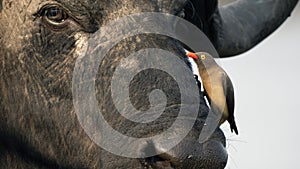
[{"x": 229, "y": 93}]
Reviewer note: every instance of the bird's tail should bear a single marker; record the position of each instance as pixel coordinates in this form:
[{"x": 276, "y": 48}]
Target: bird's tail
[{"x": 233, "y": 126}]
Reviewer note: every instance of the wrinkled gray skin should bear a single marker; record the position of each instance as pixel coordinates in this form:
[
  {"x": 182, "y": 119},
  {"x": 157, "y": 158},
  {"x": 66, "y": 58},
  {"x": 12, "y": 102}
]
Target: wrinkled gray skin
[{"x": 38, "y": 126}]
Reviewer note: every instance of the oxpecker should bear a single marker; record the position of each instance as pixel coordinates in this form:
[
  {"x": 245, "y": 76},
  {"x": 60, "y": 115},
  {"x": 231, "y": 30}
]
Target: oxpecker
[{"x": 218, "y": 87}]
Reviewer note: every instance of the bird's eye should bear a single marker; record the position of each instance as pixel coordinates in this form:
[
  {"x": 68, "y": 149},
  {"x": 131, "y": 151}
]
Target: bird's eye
[{"x": 203, "y": 57}]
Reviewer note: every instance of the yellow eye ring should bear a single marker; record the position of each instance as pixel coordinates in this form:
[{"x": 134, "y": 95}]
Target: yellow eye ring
[{"x": 203, "y": 57}]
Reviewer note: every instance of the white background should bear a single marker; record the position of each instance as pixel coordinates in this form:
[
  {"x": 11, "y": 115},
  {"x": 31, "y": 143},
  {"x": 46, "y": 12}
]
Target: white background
[{"x": 267, "y": 88}]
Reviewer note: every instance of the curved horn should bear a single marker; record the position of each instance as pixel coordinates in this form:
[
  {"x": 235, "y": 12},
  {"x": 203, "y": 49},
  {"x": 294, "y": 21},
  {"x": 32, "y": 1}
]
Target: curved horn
[{"x": 243, "y": 24}]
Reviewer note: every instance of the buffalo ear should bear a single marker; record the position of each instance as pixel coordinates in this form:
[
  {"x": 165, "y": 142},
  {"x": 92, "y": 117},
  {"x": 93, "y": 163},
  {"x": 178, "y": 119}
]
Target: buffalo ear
[
  {"x": 239, "y": 26},
  {"x": 199, "y": 12}
]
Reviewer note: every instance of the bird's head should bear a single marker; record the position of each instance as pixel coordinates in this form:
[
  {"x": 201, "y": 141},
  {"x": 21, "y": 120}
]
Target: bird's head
[{"x": 201, "y": 58}]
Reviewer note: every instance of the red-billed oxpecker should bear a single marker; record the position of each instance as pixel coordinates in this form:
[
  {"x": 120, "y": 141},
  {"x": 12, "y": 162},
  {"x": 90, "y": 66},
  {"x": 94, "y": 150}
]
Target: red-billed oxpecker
[{"x": 217, "y": 86}]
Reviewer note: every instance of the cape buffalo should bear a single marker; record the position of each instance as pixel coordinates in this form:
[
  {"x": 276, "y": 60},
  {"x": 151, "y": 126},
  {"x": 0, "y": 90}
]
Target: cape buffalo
[{"x": 40, "y": 41}]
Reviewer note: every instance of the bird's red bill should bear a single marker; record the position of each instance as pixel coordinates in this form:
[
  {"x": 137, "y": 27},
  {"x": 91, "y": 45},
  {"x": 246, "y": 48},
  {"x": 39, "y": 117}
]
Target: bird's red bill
[{"x": 192, "y": 55}]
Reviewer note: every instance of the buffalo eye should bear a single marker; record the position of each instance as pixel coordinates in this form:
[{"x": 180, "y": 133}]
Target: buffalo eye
[
  {"x": 55, "y": 14},
  {"x": 55, "y": 17}
]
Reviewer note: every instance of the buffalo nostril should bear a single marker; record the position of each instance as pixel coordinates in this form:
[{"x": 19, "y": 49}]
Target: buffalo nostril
[
  {"x": 171, "y": 159},
  {"x": 162, "y": 159},
  {"x": 186, "y": 151},
  {"x": 158, "y": 162},
  {"x": 188, "y": 154}
]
